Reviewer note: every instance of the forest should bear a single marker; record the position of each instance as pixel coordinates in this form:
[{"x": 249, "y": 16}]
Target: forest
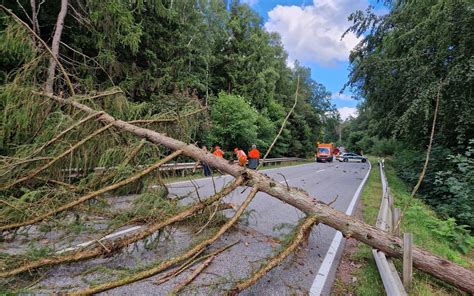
[
  {"x": 176, "y": 56},
  {"x": 415, "y": 64}
]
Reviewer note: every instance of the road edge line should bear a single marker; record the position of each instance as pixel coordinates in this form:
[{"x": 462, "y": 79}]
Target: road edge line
[{"x": 323, "y": 272}]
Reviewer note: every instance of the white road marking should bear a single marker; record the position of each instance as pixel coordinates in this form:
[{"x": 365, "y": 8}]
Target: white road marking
[
  {"x": 112, "y": 235},
  {"x": 323, "y": 272},
  {"x": 124, "y": 231}
]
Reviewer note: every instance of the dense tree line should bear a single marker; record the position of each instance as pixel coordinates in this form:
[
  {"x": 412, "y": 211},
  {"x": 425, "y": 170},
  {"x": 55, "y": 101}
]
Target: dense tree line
[
  {"x": 173, "y": 53},
  {"x": 420, "y": 52}
]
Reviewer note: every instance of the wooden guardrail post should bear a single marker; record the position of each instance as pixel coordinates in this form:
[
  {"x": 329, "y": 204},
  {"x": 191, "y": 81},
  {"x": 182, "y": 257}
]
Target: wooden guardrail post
[
  {"x": 396, "y": 221},
  {"x": 407, "y": 260}
]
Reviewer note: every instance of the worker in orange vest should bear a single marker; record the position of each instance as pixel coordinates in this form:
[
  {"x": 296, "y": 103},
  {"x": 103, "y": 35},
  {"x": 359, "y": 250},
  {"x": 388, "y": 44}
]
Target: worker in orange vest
[
  {"x": 254, "y": 157},
  {"x": 218, "y": 152},
  {"x": 241, "y": 156}
]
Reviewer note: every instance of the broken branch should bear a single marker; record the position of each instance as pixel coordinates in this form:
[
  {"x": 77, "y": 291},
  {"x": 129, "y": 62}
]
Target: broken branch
[
  {"x": 58, "y": 136},
  {"x": 170, "y": 262},
  {"x": 192, "y": 276},
  {"x": 93, "y": 194},
  {"x": 190, "y": 262},
  {"x": 149, "y": 121},
  {"x": 302, "y": 231},
  {"x": 125, "y": 241},
  {"x": 57, "y": 158}
]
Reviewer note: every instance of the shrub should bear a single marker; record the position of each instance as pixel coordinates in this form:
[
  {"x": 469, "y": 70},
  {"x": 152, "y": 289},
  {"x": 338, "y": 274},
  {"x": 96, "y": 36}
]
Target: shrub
[
  {"x": 458, "y": 236},
  {"x": 234, "y": 122},
  {"x": 385, "y": 147},
  {"x": 448, "y": 184}
]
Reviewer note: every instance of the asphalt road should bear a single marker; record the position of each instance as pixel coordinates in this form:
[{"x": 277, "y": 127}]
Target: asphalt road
[{"x": 261, "y": 230}]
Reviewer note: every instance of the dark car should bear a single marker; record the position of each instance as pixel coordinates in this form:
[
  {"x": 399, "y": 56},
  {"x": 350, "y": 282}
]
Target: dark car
[{"x": 346, "y": 157}]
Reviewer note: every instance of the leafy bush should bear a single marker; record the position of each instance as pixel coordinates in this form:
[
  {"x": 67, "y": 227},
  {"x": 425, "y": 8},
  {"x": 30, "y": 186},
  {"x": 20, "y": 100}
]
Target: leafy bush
[
  {"x": 385, "y": 147},
  {"x": 234, "y": 122},
  {"x": 448, "y": 184},
  {"x": 454, "y": 187},
  {"x": 457, "y": 235}
]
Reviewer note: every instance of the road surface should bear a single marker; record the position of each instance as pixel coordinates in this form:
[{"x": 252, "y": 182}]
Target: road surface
[{"x": 267, "y": 221}]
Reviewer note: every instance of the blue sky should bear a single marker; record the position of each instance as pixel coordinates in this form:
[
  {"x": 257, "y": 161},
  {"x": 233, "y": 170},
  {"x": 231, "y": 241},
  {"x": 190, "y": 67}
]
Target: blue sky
[{"x": 311, "y": 33}]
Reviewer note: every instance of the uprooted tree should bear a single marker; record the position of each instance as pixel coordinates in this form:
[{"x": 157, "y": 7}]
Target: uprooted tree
[{"x": 48, "y": 174}]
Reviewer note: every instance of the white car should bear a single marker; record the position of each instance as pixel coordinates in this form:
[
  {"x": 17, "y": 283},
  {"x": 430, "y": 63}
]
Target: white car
[{"x": 346, "y": 157}]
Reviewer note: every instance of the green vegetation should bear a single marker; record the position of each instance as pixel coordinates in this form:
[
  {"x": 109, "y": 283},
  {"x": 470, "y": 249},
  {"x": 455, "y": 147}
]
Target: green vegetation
[
  {"x": 170, "y": 57},
  {"x": 421, "y": 51},
  {"x": 417, "y": 219}
]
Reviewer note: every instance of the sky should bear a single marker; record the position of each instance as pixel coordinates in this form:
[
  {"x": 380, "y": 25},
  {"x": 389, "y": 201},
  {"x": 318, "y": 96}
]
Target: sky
[{"x": 311, "y": 33}]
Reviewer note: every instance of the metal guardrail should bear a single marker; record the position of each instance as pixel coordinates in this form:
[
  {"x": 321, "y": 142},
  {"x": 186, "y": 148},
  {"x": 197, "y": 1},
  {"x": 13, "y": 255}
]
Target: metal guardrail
[
  {"x": 387, "y": 221},
  {"x": 181, "y": 166}
]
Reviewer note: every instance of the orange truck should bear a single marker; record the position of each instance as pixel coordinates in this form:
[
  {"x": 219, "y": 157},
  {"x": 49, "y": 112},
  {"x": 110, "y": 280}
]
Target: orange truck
[{"x": 325, "y": 152}]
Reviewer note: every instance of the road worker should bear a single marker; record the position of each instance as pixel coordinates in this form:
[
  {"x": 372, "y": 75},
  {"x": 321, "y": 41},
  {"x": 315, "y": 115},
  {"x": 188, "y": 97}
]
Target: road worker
[
  {"x": 205, "y": 166},
  {"x": 241, "y": 156},
  {"x": 254, "y": 157},
  {"x": 218, "y": 152}
]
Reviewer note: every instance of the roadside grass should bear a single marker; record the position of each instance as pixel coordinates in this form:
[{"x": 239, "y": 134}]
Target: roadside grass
[{"x": 418, "y": 219}]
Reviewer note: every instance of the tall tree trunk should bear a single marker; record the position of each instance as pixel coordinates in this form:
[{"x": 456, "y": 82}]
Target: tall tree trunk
[
  {"x": 34, "y": 17},
  {"x": 55, "y": 46},
  {"x": 428, "y": 151},
  {"x": 443, "y": 269}
]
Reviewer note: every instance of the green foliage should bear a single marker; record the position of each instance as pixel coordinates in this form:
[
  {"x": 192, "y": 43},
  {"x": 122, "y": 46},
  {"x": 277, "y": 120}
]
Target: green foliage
[
  {"x": 174, "y": 56},
  {"x": 458, "y": 236},
  {"x": 15, "y": 45},
  {"x": 385, "y": 147},
  {"x": 448, "y": 182},
  {"x": 154, "y": 205},
  {"x": 235, "y": 122},
  {"x": 454, "y": 188},
  {"x": 407, "y": 57},
  {"x": 418, "y": 52},
  {"x": 266, "y": 131}
]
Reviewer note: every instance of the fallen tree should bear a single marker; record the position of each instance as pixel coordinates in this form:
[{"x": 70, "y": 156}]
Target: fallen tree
[
  {"x": 196, "y": 250},
  {"x": 111, "y": 246},
  {"x": 316, "y": 210},
  {"x": 436, "y": 266}
]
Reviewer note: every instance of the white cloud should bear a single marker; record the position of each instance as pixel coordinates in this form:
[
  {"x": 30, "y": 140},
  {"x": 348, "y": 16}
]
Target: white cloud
[
  {"x": 347, "y": 111},
  {"x": 313, "y": 33},
  {"x": 250, "y": 2},
  {"x": 342, "y": 97},
  {"x": 290, "y": 64}
]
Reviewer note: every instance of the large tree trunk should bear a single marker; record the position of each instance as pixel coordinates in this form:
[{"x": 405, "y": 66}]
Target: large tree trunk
[
  {"x": 443, "y": 269},
  {"x": 55, "y": 47},
  {"x": 34, "y": 17}
]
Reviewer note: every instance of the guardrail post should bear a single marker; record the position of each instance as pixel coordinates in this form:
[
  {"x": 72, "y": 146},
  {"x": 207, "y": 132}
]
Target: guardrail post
[
  {"x": 396, "y": 221},
  {"x": 407, "y": 260}
]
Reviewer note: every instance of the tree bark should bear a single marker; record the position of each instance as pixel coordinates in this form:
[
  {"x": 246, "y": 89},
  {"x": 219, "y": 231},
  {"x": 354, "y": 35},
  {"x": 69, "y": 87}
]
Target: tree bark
[
  {"x": 438, "y": 267},
  {"x": 428, "y": 151},
  {"x": 55, "y": 46},
  {"x": 34, "y": 17}
]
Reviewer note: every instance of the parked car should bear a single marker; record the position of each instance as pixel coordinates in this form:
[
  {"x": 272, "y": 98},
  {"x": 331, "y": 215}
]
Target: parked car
[{"x": 346, "y": 157}]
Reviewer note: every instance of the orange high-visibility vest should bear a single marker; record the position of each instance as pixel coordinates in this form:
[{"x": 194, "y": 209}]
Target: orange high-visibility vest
[
  {"x": 254, "y": 153},
  {"x": 218, "y": 153},
  {"x": 242, "y": 157}
]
